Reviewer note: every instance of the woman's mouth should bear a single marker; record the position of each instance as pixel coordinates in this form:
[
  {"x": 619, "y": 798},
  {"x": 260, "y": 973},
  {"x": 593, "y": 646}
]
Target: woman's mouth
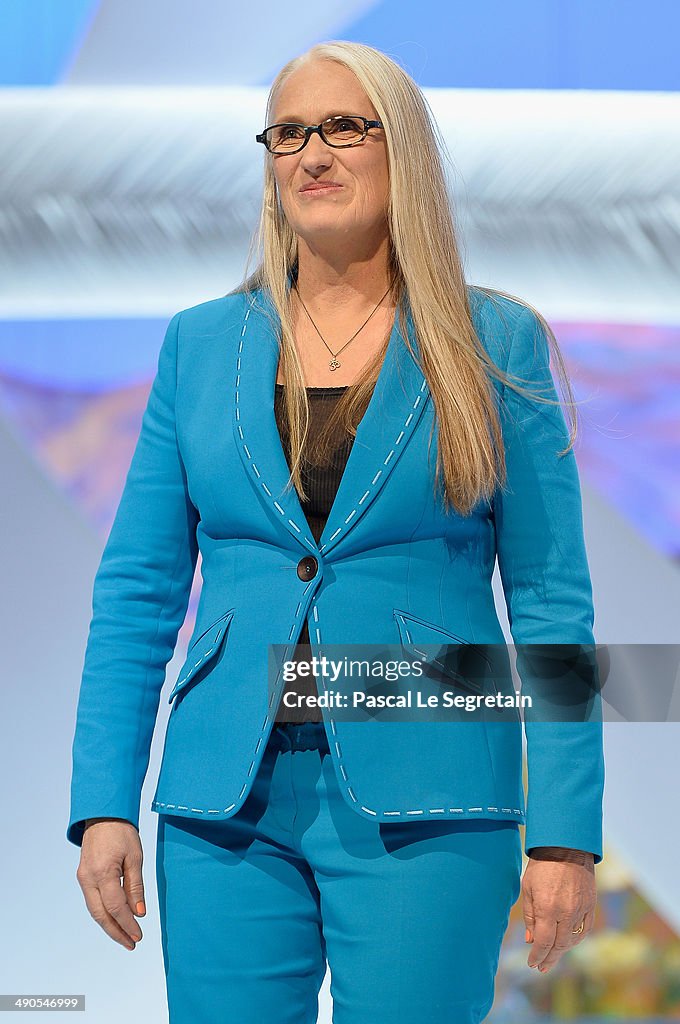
[{"x": 317, "y": 190}]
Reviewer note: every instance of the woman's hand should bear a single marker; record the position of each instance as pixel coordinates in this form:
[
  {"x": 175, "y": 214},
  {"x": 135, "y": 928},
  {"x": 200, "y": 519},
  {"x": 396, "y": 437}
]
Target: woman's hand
[
  {"x": 112, "y": 849},
  {"x": 559, "y": 892}
]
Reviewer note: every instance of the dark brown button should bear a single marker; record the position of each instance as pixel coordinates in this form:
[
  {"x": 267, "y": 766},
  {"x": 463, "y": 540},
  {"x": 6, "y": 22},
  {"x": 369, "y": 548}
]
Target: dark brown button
[{"x": 307, "y": 567}]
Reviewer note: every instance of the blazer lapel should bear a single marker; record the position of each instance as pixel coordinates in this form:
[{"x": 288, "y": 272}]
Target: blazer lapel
[{"x": 396, "y": 405}]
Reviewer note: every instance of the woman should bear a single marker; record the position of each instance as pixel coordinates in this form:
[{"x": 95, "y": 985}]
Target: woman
[{"x": 390, "y": 851}]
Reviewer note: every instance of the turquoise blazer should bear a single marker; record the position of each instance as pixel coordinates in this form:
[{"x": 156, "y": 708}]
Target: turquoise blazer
[{"x": 208, "y": 474}]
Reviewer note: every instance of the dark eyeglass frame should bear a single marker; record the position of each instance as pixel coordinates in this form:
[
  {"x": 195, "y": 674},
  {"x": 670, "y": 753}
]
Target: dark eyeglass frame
[{"x": 318, "y": 128}]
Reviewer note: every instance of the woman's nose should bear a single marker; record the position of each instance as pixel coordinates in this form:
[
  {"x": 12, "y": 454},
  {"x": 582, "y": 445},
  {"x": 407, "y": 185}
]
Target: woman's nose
[{"x": 316, "y": 152}]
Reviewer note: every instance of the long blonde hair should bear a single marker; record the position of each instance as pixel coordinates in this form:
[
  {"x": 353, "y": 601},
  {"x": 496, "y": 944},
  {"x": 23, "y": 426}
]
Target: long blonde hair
[{"x": 427, "y": 275}]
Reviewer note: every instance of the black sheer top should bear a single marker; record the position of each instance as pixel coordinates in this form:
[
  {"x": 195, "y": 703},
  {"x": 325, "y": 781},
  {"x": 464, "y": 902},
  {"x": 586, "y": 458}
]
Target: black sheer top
[{"x": 321, "y": 484}]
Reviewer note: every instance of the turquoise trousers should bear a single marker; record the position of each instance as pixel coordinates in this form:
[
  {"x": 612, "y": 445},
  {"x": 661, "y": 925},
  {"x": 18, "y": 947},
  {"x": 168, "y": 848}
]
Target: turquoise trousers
[{"x": 409, "y": 916}]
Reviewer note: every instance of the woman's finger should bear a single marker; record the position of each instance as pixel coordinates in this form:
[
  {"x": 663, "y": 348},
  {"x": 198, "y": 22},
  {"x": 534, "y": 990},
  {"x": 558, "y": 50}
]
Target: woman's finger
[
  {"x": 98, "y": 911},
  {"x": 116, "y": 904},
  {"x": 133, "y": 883}
]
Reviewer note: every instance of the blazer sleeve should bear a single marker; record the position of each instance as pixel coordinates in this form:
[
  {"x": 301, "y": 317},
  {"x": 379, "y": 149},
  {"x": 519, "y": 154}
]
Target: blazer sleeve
[
  {"x": 546, "y": 581},
  {"x": 140, "y": 597}
]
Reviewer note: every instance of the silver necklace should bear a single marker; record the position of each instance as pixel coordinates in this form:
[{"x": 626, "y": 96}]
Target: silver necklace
[{"x": 333, "y": 363}]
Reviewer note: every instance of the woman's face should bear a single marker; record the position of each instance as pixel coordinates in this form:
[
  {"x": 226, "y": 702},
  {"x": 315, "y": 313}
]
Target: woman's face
[{"x": 314, "y": 92}]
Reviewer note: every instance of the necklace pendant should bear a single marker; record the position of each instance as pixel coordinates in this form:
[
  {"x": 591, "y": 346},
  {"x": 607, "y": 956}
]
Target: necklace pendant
[{"x": 333, "y": 364}]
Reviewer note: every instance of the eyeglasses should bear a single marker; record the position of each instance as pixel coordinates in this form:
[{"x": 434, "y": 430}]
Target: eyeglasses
[{"x": 340, "y": 131}]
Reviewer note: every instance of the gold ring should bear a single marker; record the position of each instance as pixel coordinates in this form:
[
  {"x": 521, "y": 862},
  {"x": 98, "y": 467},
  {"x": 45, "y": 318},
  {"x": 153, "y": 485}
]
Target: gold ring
[{"x": 577, "y": 931}]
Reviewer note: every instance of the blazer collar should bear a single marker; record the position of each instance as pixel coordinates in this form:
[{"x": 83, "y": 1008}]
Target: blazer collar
[{"x": 395, "y": 407}]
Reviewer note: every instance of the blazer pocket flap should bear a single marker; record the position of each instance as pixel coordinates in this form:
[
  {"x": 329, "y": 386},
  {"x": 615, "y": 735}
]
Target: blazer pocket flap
[
  {"x": 201, "y": 652},
  {"x": 461, "y": 663}
]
